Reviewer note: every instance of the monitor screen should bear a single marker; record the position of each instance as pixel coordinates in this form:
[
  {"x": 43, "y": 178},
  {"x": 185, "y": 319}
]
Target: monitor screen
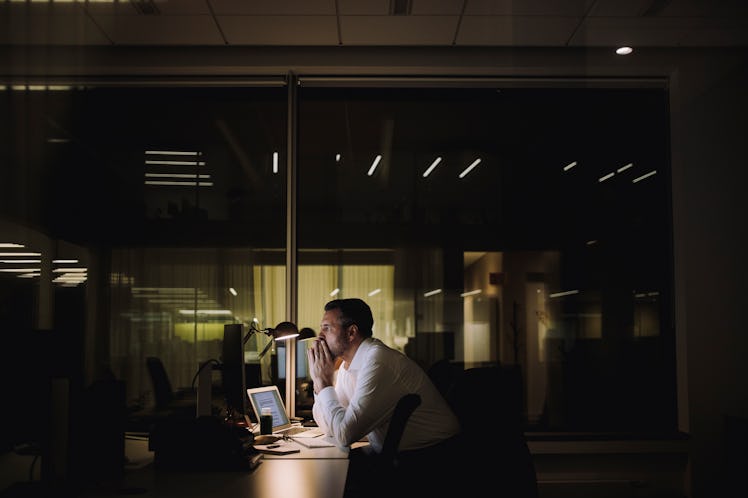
[
  {"x": 301, "y": 360},
  {"x": 232, "y": 370}
]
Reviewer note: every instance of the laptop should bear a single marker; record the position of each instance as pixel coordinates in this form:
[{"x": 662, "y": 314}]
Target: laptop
[{"x": 269, "y": 397}]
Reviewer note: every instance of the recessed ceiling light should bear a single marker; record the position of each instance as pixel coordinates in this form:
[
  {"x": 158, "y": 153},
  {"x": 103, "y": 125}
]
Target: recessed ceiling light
[{"x": 624, "y": 50}]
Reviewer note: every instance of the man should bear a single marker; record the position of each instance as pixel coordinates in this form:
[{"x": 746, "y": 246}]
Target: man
[{"x": 370, "y": 381}]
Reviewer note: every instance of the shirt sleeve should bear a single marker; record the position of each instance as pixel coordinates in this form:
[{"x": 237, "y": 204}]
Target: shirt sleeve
[
  {"x": 368, "y": 408},
  {"x": 318, "y": 415}
]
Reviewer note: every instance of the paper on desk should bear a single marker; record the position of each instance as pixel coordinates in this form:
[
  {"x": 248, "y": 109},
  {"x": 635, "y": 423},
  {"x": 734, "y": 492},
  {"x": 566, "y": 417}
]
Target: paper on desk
[
  {"x": 313, "y": 432},
  {"x": 316, "y": 442},
  {"x": 279, "y": 448}
]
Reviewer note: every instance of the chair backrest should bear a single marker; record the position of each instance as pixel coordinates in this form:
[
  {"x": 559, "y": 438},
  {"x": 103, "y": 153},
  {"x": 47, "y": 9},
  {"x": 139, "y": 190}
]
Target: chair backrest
[
  {"x": 499, "y": 387},
  {"x": 405, "y": 406},
  {"x": 162, "y": 391}
]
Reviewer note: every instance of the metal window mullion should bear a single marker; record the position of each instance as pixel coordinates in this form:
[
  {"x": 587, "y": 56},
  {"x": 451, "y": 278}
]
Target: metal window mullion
[{"x": 291, "y": 241}]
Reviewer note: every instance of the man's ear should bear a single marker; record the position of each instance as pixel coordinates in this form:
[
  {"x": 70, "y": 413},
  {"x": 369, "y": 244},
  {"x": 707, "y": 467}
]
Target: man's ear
[{"x": 352, "y": 331}]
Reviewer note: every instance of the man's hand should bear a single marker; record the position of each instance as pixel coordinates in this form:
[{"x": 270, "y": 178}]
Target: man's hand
[{"x": 321, "y": 365}]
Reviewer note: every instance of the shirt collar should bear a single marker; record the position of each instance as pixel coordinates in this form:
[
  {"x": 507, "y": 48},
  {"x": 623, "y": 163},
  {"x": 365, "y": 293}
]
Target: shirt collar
[{"x": 358, "y": 358}]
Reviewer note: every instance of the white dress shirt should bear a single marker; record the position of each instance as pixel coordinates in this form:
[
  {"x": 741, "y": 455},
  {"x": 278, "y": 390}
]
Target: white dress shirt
[{"x": 364, "y": 397}]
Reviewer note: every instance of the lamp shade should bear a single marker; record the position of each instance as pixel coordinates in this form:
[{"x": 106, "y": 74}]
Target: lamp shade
[
  {"x": 305, "y": 334},
  {"x": 284, "y": 331}
]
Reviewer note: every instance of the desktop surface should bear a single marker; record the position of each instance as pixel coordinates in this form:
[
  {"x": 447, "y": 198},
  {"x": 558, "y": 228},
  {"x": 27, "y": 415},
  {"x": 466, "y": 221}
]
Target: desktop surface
[
  {"x": 282, "y": 478},
  {"x": 311, "y": 473}
]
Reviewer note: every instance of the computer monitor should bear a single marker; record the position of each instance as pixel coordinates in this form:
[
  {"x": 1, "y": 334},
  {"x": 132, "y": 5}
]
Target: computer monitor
[
  {"x": 302, "y": 367},
  {"x": 232, "y": 371}
]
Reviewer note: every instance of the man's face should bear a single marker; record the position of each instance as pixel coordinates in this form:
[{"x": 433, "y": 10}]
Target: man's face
[{"x": 332, "y": 333}]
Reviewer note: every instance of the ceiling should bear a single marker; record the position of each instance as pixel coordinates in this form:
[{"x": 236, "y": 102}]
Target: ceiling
[{"x": 328, "y": 23}]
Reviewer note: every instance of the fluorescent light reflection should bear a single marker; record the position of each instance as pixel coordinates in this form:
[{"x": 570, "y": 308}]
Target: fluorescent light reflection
[
  {"x": 70, "y": 277},
  {"x": 471, "y": 293},
  {"x": 432, "y": 293},
  {"x": 431, "y": 168},
  {"x": 166, "y": 290},
  {"x": 334, "y": 292},
  {"x": 205, "y": 312},
  {"x": 275, "y": 162},
  {"x": 337, "y": 158},
  {"x": 176, "y": 163},
  {"x": 8, "y": 245},
  {"x": 179, "y": 184},
  {"x": 25, "y": 261},
  {"x": 374, "y": 292},
  {"x": 374, "y": 164},
  {"x": 606, "y": 177},
  {"x": 570, "y": 165},
  {"x": 564, "y": 293},
  {"x": 469, "y": 168},
  {"x": 232, "y": 291},
  {"x": 39, "y": 88},
  {"x": 25, "y": 254},
  {"x": 624, "y": 168},
  {"x": 176, "y": 175},
  {"x": 644, "y": 176},
  {"x": 624, "y": 50},
  {"x": 172, "y": 152}
]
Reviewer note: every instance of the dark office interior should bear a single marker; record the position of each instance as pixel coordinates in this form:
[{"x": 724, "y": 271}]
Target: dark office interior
[{"x": 501, "y": 186}]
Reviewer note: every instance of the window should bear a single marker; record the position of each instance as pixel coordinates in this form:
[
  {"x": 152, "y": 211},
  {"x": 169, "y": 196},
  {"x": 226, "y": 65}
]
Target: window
[{"x": 522, "y": 226}]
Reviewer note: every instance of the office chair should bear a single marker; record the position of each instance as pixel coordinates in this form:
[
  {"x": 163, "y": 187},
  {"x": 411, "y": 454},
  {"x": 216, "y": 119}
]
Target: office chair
[
  {"x": 384, "y": 467},
  {"x": 498, "y": 431},
  {"x": 166, "y": 398},
  {"x": 403, "y": 410}
]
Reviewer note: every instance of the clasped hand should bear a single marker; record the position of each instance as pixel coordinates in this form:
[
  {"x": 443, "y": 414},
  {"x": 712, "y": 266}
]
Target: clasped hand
[{"x": 321, "y": 365}]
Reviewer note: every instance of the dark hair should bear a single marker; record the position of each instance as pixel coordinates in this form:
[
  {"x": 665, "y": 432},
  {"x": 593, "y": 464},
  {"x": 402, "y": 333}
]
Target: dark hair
[{"x": 352, "y": 311}]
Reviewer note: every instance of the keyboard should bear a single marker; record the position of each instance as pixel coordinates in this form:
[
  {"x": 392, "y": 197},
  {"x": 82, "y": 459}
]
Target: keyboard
[
  {"x": 299, "y": 431},
  {"x": 292, "y": 431}
]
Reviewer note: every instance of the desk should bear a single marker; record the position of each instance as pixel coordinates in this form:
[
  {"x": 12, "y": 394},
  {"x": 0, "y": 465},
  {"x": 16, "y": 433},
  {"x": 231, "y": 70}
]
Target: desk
[
  {"x": 278, "y": 478},
  {"x": 330, "y": 453},
  {"x": 311, "y": 473}
]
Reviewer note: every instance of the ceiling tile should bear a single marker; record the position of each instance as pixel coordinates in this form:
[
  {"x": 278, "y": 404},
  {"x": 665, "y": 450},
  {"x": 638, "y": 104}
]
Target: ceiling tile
[
  {"x": 274, "y": 7},
  {"x": 532, "y": 31},
  {"x": 663, "y": 32},
  {"x": 73, "y": 29},
  {"x": 163, "y": 7},
  {"x": 670, "y": 8},
  {"x": 573, "y": 8},
  {"x": 620, "y": 8},
  {"x": 364, "y": 7},
  {"x": 161, "y": 30},
  {"x": 632, "y": 31},
  {"x": 440, "y": 8},
  {"x": 280, "y": 30},
  {"x": 715, "y": 38},
  {"x": 15, "y": 9},
  {"x": 398, "y": 30}
]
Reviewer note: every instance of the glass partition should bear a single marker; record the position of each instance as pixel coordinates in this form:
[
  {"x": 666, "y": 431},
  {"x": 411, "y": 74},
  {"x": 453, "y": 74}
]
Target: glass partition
[
  {"x": 527, "y": 227},
  {"x": 523, "y": 227},
  {"x": 177, "y": 195}
]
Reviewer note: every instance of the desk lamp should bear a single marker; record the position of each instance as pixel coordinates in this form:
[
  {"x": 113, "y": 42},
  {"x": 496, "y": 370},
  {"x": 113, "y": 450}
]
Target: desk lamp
[
  {"x": 306, "y": 334},
  {"x": 282, "y": 332}
]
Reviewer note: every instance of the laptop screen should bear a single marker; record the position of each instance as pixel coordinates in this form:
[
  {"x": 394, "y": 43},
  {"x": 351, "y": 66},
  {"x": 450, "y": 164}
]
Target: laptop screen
[{"x": 269, "y": 397}]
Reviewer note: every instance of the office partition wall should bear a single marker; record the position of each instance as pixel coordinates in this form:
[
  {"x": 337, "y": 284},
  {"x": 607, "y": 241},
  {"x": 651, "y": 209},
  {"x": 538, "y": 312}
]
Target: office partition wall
[{"x": 483, "y": 221}]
